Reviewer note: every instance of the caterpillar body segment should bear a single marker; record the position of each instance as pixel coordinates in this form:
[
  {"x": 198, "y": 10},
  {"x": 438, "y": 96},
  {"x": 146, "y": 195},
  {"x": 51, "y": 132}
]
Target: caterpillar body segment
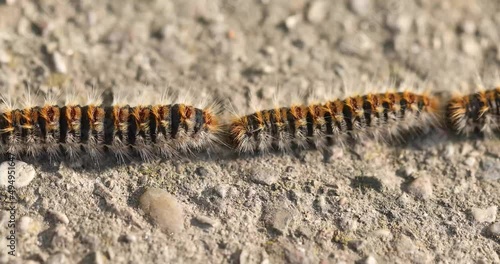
[
  {"x": 477, "y": 113},
  {"x": 123, "y": 130},
  {"x": 381, "y": 116}
]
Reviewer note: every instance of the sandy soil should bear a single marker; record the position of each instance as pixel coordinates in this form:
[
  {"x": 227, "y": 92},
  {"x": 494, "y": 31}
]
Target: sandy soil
[{"x": 432, "y": 200}]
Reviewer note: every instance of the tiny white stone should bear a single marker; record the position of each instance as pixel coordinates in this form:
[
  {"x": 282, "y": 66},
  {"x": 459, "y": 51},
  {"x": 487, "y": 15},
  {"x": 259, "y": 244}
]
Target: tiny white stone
[
  {"x": 23, "y": 173},
  {"x": 360, "y": 7},
  {"x": 494, "y": 229},
  {"x": 4, "y": 56},
  {"x": 470, "y": 161},
  {"x": 130, "y": 238},
  {"x": 485, "y": 215},
  {"x": 449, "y": 151},
  {"x": 317, "y": 11},
  {"x": 292, "y": 21},
  {"x": 400, "y": 23},
  {"x": 98, "y": 258},
  {"x": 59, "y": 62},
  {"x": 409, "y": 171},
  {"x": 24, "y": 224},
  {"x": 470, "y": 46},
  {"x": 370, "y": 260},
  {"x": 207, "y": 221},
  {"x": 60, "y": 217},
  {"x": 469, "y": 27}
]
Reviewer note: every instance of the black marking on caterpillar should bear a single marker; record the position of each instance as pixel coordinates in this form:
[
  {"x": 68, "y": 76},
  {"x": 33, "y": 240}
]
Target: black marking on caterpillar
[
  {"x": 477, "y": 113},
  {"x": 382, "y": 116}
]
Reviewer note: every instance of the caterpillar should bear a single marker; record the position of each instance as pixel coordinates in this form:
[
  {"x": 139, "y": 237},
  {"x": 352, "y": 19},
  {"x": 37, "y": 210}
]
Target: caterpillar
[
  {"x": 477, "y": 113},
  {"x": 164, "y": 130},
  {"x": 382, "y": 115}
]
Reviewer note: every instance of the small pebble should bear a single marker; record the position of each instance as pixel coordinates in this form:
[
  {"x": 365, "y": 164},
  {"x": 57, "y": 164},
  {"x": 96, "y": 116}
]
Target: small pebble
[
  {"x": 409, "y": 171},
  {"x": 470, "y": 46},
  {"x": 98, "y": 257},
  {"x": 466, "y": 149},
  {"x": 449, "y": 151},
  {"x": 23, "y": 26},
  {"x": 59, "y": 62},
  {"x": 263, "y": 176},
  {"x": 399, "y": 23},
  {"x": 59, "y": 217},
  {"x": 24, "y": 174},
  {"x": 269, "y": 50},
  {"x": 317, "y": 12},
  {"x": 470, "y": 161},
  {"x": 468, "y": 27},
  {"x": 321, "y": 203},
  {"x": 404, "y": 244},
  {"x": 494, "y": 229},
  {"x": 370, "y": 260},
  {"x": 485, "y": 215},
  {"x": 129, "y": 238},
  {"x": 4, "y": 56},
  {"x": 164, "y": 209},
  {"x": 360, "y": 7},
  {"x": 292, "y": 21},
  {"x": 421, "y": 188},
  {"x": 222, "y": 190},
  {"x": 491, "y": 169},
  {"x": 359, "y": 45},
  {"x": 403, "y": 200},
  {"x": 24, "y": 224},
  {"x": 207, "y": 221},
  {"x": 349, "y": 224},
  {"x": 279, "y": 220}
]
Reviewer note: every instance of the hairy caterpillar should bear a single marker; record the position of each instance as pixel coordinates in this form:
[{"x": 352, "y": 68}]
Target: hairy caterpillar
[
  {"x": 475, "y": 113},
  {"x": 382, "y": 115},
  {"x": 72, "y": 129}
]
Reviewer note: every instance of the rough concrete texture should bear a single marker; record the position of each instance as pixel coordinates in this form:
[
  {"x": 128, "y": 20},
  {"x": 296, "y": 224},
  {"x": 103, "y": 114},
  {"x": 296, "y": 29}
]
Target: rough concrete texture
[{"x": 433, "y": 199}]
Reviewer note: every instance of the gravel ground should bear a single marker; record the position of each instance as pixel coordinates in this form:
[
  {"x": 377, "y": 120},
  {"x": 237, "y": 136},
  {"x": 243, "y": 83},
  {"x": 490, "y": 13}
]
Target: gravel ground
[{"x": 431, "y": 200}]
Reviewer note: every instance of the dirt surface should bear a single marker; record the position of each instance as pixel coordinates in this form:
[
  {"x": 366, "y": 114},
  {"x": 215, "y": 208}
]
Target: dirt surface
[{"x": 432, "y": 200}]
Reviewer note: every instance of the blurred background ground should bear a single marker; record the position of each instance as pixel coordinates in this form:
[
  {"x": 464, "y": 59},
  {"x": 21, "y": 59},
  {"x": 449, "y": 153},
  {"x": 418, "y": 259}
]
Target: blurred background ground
[{"x": 432, "y": 200}]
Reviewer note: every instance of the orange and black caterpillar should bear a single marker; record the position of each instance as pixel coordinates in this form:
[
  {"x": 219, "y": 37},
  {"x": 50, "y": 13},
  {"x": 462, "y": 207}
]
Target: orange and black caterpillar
[
  {"x": 382, "y": 115},
  {"x": 477, "y": 113},
  {"x": 72, "y": 129}
]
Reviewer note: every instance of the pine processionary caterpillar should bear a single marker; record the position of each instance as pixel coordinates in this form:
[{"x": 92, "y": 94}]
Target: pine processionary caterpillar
[
  {"x": 475, "y": 113},
  {"x": 382, "y": 115},
  {"x": 72, "y": 129},
  {"x": 169, "y": 129}
]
